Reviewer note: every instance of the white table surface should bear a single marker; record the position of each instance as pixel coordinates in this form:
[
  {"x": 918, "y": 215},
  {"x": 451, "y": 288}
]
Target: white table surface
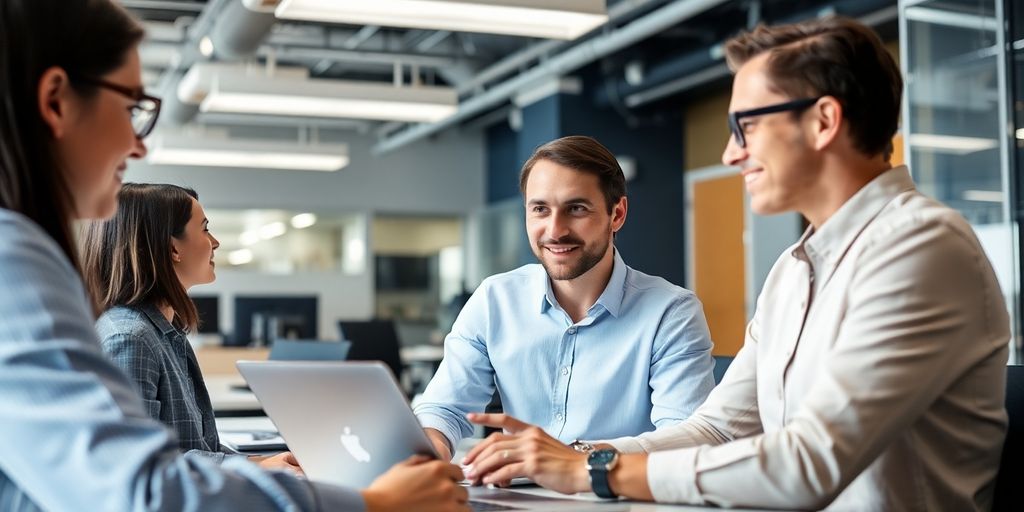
[
  {"x": 587, "y": 500},
  {"x": 226, "y": 399}
]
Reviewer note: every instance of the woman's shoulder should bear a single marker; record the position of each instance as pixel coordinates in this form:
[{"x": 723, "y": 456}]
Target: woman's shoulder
[{"x": 126, "y": 325}]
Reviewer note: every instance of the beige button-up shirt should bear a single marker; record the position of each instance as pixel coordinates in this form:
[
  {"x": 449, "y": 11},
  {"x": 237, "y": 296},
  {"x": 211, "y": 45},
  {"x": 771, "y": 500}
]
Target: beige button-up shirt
[{"x": 872, "y": 376}]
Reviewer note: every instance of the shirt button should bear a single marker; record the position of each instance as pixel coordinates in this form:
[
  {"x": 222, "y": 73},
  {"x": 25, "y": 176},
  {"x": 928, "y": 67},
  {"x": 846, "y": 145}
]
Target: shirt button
[
  {"x": 565, "y": 370},
  {"x": 559, "y": 417},
  {"x": 572, "y": 330}
]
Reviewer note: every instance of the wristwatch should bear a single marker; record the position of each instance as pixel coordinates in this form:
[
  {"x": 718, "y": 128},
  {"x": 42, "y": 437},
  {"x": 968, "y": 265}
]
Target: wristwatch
[
  {"x": 581, "y": 446},
  {"x": 599, "y": 464}
]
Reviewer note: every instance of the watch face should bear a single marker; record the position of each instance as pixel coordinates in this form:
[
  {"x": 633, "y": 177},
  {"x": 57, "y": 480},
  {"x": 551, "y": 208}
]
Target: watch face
[{"x": 601, "y": 458}]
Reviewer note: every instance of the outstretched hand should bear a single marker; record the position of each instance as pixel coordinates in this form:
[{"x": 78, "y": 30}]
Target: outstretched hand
[{"x": 524, "y": 450}]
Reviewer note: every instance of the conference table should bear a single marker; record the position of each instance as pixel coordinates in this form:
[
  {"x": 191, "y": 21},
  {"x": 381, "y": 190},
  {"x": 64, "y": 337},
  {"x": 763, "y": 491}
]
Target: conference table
[{"x": 538, "y": 498}]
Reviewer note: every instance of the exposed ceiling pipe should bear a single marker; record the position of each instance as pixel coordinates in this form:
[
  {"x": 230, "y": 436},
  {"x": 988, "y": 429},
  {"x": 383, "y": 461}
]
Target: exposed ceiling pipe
[
  {"x": 358, "y": 56},
  {"x": 360, "y": 37},
  {"x": 162, "y": 5},
  {"x": 235, "y": 30},
  {"x": 558, "y": 65},
  {"x": 706, "y": 65},
  {"x": 240, "y": 30},
  {"x": 616, "y": 13},
  {"x": 670, "y": 76},
  {"x": 172, "y": 110}
]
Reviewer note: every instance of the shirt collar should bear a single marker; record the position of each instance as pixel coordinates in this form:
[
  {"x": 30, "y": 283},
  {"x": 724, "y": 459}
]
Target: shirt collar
[
  {"x": 158, "y": 319},
  {"x": 611, "y": 297},
  {"x": 824, "y": 247}
]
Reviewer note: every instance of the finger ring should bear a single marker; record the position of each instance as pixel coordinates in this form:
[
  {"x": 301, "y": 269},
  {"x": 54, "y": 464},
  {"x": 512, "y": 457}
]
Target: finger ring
[{"x": 504, "y": 454}]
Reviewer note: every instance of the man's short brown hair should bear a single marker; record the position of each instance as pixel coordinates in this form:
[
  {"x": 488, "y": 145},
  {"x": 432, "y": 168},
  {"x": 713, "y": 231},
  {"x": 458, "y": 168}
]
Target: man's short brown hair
[
  {"x": 583, "y": 154},
  {"x": 833, "y": 56}
]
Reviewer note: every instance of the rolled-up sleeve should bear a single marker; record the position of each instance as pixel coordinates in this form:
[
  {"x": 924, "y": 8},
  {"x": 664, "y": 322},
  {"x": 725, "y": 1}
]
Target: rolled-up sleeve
[{"x": 77, "y": 430}]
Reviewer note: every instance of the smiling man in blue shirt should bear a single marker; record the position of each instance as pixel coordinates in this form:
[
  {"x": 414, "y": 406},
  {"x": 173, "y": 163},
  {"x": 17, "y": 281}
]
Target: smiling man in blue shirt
[{"x": 581, "y": 344}]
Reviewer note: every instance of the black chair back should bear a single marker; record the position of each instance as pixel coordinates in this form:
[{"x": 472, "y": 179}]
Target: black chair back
[
  {"x": 1011, "y": 467},
  {"x": 373, "y": 340},
  {"x": 721, "y": 365}
]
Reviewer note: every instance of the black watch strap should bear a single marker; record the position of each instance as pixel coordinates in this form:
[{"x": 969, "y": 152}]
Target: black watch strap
[
  {"x": 599, "y": 483},
  {"x": 599, "y": 472}
]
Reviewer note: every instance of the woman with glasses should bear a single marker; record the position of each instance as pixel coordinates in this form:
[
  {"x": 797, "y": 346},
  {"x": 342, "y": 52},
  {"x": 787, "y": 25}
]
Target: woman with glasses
[
  {"x": 76, "y": 433},
  {"x": 147, "y": 311}
]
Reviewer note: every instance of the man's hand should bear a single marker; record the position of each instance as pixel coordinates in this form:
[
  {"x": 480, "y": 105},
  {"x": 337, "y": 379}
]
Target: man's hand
[
  {"x": 419, "y": 483},
  {"x": 280, "y": 461},
  {"x": 440, "y": 443},
  {"x": 524, "y": 450}
]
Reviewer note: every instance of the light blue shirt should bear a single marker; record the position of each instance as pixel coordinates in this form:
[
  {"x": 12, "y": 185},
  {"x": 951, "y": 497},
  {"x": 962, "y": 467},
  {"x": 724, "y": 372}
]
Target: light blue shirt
[
  {"x": 74, "y": 430},
  {"x": 640, "y": 359}
]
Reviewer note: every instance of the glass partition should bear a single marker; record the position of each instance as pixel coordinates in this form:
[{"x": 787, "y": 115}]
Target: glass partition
[
  {"x": 289, "y": 242},
  {"x": 954, "y": 122}
]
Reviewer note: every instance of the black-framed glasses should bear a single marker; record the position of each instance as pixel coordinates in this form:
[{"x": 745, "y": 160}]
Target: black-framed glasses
[
  {"x": 144, "y": 112},
  {"x": 734, "y": 117}
]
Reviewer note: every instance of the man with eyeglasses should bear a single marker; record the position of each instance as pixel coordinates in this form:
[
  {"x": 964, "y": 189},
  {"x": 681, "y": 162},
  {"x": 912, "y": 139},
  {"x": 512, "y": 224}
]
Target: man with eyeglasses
[{"x": 873, "y": 372}]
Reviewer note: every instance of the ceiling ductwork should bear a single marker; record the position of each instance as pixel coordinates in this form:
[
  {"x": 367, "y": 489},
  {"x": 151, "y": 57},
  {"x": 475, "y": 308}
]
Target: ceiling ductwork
[
  {"x": 241, "y": 28},
  {"x": 677, "y": 74}
]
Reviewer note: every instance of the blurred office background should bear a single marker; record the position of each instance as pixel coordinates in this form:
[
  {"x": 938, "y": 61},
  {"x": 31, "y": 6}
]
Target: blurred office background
[{"x": 363, "y": 166}]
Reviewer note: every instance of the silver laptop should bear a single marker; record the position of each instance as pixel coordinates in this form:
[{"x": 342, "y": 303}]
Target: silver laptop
[
  {"x": 349, "y": 422},
  {"x": 346, "y": 422}
]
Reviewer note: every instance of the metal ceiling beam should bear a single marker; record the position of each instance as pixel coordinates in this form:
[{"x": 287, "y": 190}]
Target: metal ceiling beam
[
  {"x": 518, "y": 60},
  {"x": 162, "y": 5},
  {"x": 685, "y": 72},
  {"x": 363, "y": 56},
  {"x": 572, "y": 59}
]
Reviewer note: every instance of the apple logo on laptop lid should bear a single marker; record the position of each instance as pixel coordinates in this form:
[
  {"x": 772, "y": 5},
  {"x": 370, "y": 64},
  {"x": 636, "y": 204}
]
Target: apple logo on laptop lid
[{"x": 352, "y": 445}]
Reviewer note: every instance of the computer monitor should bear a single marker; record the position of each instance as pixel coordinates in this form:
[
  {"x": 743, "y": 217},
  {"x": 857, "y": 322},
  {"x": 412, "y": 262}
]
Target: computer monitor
[
  {"x": 309, "y": 350},
  {"x": 261, "y": 319},
  {"x": 208, "y": 307}
]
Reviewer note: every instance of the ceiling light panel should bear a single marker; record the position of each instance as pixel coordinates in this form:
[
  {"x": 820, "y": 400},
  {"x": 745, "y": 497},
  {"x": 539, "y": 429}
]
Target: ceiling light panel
[
  {"x": 197, "y": 150},
  {"x": 330, "y": 98},
  {"x": 552, "y": 19}
]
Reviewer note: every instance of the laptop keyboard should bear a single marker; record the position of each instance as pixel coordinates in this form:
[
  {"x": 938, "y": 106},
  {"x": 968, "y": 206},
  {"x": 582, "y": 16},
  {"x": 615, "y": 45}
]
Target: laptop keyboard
[{"x": 480, "y": 506}]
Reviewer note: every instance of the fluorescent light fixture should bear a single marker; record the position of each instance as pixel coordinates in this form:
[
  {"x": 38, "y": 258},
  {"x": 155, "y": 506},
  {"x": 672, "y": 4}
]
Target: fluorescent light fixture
[
  {"x": 950, "y": 143},
  {"x": 272, "y": 230},
  {"x": 303, "y": 220},
  {"x": 240, "y": 257},
  {"x": 197, "y": 150},
  {"x": 987, "y": 196},
  {"x": 1020, "y": 133},
  {"x": 329, "y": 98},
  {"x": 198, "y": 80},
  {"x": 553, "y": 19}
]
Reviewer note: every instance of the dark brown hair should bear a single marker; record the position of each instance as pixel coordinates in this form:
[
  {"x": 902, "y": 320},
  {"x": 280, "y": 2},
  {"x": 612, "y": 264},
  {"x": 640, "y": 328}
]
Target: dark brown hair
[
  {"x": 833, "y": 56},
  {"x": 583, "y": 154},
  {"x": 127, "y": 259},
  {"x": 86, "y": 38}
]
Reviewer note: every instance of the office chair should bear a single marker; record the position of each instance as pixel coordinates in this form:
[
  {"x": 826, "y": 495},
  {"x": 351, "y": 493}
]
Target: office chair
[
  {"x": 1008, "y": 494},
  {"x": 721, "y": 365},
  {"x": 373, "y": 340}
]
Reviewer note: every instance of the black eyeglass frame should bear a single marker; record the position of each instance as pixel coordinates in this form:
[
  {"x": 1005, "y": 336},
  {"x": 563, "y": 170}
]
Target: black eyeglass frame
[
  {"x": 139, "y": 96},
  {"x": 793, "y": 105}
]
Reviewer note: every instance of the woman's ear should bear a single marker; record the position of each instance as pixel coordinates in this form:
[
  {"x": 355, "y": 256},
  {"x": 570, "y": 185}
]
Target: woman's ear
[
  {"x": 55, "y": 98},
  {"x": 175, "y": 255}
]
